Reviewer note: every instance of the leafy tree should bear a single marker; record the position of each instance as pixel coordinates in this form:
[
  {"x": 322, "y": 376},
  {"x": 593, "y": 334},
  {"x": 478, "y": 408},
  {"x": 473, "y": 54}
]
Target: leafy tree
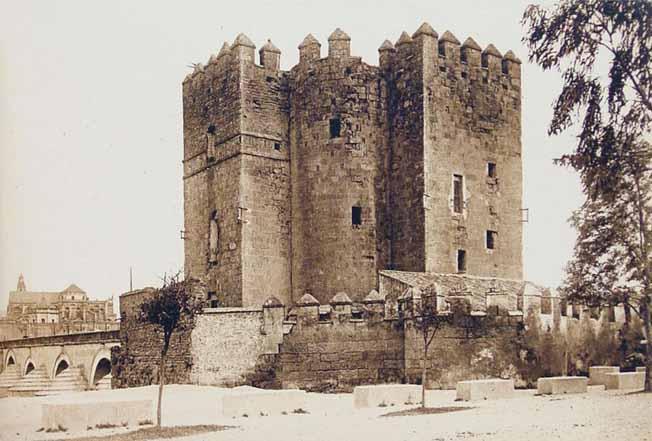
[
  {"x": 612, "y": 262},
  {"x": 172, "y": 307}
]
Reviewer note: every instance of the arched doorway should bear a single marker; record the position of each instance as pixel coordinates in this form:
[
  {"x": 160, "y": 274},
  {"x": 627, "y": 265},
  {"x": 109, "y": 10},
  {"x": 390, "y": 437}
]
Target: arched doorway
[
  {"x": 11, "y": 361},
  {"x": 29, "y": 368},
  {"x": 102, "y": 370},
  {"x": 62, "y": 366}
]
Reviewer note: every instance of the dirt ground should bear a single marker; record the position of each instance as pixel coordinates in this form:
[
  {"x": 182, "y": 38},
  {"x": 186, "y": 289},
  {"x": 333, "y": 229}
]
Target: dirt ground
[{"x": 597, "y": 415}]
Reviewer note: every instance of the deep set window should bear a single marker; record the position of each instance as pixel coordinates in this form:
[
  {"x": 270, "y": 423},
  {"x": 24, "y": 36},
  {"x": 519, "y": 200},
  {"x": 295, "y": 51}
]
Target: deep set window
[
  {"x": 461, "y": 261},
  {"x": 491, "y": 169},
  {"x": 356, "y": 215},
  {"x": 458, "y": 193},
  {"x": 491, "y": 239},
  {"x": 335, "y": 127}
]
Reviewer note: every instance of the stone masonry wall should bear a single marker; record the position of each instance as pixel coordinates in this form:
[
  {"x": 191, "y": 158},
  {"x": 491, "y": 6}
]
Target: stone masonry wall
[
  {"x": 472, "y": 117},
  {"x": 136, "y": 362},
  {"x": 331, "y": 175},
  {"x": 340, "y": 353},
  {"x": 226, "y": 345}
]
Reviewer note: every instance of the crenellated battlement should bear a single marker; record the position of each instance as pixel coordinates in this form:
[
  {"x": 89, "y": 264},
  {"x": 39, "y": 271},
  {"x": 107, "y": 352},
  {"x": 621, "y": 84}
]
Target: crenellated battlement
[{"x": 445, "y": 51}]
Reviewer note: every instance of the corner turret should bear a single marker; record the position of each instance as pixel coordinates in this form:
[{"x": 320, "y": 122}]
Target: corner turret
[
  {"x": 339, "y": 44},
  {"x": 244, "y": 49}
]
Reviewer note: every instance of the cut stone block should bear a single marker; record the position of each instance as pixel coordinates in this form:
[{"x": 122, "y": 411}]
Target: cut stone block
[
  {"x": 80, "y": 416},
  {"x": 485, "y": 389},
  {"x": 641, "y": 369},
  {"x": 386, "y": 395},
  {"x": 597, "y": 374},
  {"x": 625, "y": 380},
  {"x": 267, "y": 402},
  {"x": 562, "y": 385}
]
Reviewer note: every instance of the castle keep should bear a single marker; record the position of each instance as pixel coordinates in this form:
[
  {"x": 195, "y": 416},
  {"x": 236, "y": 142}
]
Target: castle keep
[{"x": 315, "y": 179}]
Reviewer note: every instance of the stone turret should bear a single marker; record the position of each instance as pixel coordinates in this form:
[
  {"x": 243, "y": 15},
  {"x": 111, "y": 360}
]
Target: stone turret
[
  {"x": 339, "y": 44},
  {"x": 309, "y": 49},
  {"x": 244, "y": 49},
  {"x": 270, "y": 56}
]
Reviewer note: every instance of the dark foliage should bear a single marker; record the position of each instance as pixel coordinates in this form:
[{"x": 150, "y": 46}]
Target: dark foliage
[{"x": 613, "y": 254}]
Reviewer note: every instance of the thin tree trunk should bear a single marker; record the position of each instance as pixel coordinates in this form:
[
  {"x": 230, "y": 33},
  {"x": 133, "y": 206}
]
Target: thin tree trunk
[
  {"x": 161, "y": 380},
  {"x": 648, "y": 347},
  {"x": 424, "y": 373}
]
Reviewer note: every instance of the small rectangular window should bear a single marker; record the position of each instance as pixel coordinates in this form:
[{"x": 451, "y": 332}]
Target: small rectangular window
[
  {"x": 491, "y": 239},
  {"x": 461, "y": 261},
  {"x": 576, "y": 311},
  {"x": 458, "y": 190},
  {"x": 335, "y": 127},
  {"x": 564, "y": 308},
  {"x": 491, "y": 169},
  {"x": 356, "y": 215},
  {"x": 546, "y": 305},
  {"x": 277, "y": 146}
]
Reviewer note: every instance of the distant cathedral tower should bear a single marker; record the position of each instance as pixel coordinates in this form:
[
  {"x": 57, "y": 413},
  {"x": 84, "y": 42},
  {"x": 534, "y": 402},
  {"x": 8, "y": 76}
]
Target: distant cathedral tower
[
  {"x": 20, "y": 287},
  {"x": 314, "y": 179}
]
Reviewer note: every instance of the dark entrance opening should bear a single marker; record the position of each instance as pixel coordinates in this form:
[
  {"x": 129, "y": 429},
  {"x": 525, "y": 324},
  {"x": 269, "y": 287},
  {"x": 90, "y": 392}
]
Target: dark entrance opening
[
  {"x": 102, "y": 370},
  {"x": 62, "y": 366},
  {"x": 29, "y": 368}
]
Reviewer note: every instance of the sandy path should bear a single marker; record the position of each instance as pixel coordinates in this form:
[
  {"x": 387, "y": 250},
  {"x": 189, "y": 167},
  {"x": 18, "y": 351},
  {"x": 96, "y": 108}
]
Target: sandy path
[{"x": 595, "y": 416}]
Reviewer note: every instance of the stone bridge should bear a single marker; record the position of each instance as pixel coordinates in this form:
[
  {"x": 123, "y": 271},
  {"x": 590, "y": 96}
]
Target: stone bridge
[{"x": 43, "y": 365}]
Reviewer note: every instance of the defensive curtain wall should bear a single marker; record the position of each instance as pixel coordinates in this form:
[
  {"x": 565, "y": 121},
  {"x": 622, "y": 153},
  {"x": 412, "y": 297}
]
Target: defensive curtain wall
[
  {"x": 339, "y": 345},
  {"x": 90, "y": 351}
]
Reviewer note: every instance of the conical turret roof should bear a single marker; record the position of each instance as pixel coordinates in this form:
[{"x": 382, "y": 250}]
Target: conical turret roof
[
  {"x": 339, "y": 34},
  {"x": 243, "y": 40},
  {"x": 511, "y": 56},
  {"x": 448, "y": 36},
  {"x": 386, "y": 46},
  {"x": 404, "y": 39},
  {"x": 269, "y": 47},
  {"x": 310, "y": 40},
  {"x": 491, "y": 50},
  {"x": 425, "y": 29},
  {"x": 471, "y": 44}
]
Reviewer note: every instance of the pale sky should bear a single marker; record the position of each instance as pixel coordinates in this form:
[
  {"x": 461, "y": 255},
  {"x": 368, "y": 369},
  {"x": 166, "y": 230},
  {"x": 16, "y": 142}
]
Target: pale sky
[{"x": 91, "y": 125}]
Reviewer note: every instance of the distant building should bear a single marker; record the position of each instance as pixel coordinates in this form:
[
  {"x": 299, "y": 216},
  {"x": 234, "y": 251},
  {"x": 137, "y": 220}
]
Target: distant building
[{"x": 43, "y": 313}]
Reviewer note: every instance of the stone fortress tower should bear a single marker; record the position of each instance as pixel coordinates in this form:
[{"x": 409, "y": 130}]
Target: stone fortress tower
[{"x": 314, "y": 179}]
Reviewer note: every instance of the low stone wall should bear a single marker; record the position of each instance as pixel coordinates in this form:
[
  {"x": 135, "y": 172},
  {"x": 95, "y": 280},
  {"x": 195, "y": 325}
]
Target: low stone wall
[
  {"x": 485, "y": 389},
  {"x": 338, "y": 355},
  {"x": 87, "y": 415},
  {"x": 136, "y": 362},
  {"x": 459, "y": 354},
  {"x": 562, "y": 385},
  {"x": 227, "y": 346}
]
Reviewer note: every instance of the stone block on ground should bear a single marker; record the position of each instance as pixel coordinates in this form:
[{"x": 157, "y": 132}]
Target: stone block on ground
[
  {"x": 597, "y": 374},
  {"x": 84, "y": 414},
  {"x": 254, "y": 402},
  {"x": 490, "y": 389},
  {"x": 562, "y": 385},
  {"x": 625, "y": 380},
  {"x": 386, "y": 394},
  {"x": 640, "y": 369}
]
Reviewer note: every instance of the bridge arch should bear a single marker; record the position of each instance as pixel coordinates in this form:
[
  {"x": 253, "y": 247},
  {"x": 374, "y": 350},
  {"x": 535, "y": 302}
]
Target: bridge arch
[
  {"x": 101, "y": 367},
  {"x": 10, "y": 359},
  {"x": 61, "y": 364},
  {"x": 29, "y": 366}
]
